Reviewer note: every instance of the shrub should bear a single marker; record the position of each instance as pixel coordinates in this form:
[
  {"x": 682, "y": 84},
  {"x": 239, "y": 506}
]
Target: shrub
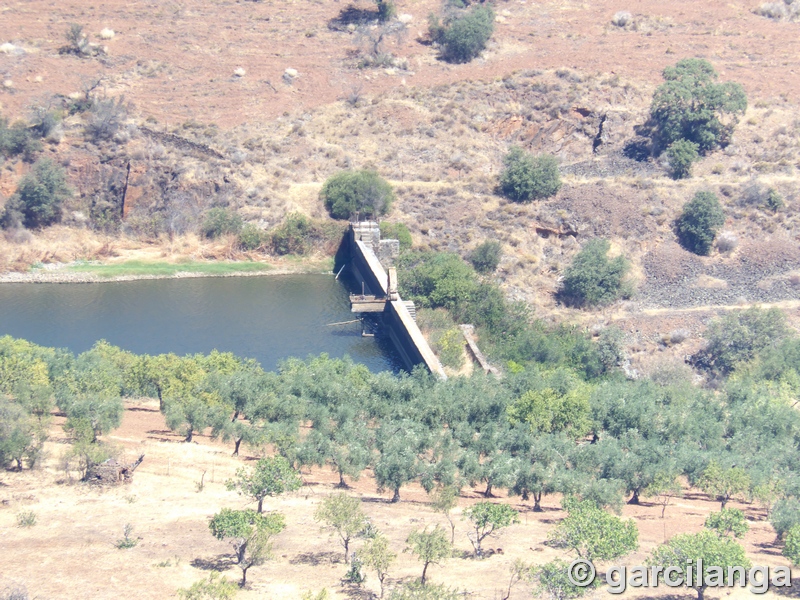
[
  {"x": 727, "y": 241},
  {"x": 622, "y": 18},
  {"x": 17, "y": 140},
  {"x": 783, "y": 9},
  {"x": 465, "y": 37},
  {"x": 293, "y": 237},
  {"x": 386, "y": 10},
  {"x": 690, "y": 105},
  {"x": 215, "y": 587},
  {"x": 773, "y": 201},
  {"x": 486, "y": 257},
  {"x": 77, "y": 42},
  {"x": 221, "y": 221},
  {"x": 126, "y": 542},
  {"x": 701, "y": 219},
  {"x": 26, "y": 519},
  {"x": 592, "y": 279},
  {"x": 105, "y": 119},
  {"x": 429, "y": 591},
  {"x": 351, "y": 192},
  {"x": 37, "y": 202},
  {"x": 449, "y": 347},
  {"x": 681, "y": 155},
  {"x": 397, "y": 231},
  {"x": 251, "y": 237},
  {"x": 527, "y": 177}
]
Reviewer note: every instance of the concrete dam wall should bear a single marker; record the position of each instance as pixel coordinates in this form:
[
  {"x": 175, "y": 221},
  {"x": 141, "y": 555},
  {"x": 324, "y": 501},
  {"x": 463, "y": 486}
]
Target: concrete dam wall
[{"x": 360, "y": 255}]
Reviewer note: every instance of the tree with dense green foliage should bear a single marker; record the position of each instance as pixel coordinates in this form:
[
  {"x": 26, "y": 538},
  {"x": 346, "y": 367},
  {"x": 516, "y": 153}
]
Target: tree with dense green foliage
[
  {"x": 682, "y": 154},
  {"x": 396, "y": 231},
  {"x": 22, "y": 436},
  {"x": 791, "y": 548},
  {"x": 342, "y": 514},
  {"x": 729, "y": 521},
  {"x": 339, "y": 438},
  {"x": 714, "y": 552},
  {"x": 739, "y": 336},
  {"x": 785, "y": 515},
  {"x": 400, "y": 444},
  {"x": 699, "y": 223},
  {"x": 593, "y": 533},
  {"x": 488, "y": 518},
  {"x": 219, "y": 221},
  {"x": 552, "y": 580},
  {"x": 691, "y": 105},
  {"x": 364, "y": 193},
  {"x": 430, "y": 547},
  {"x": 375, "y": 554},
  {"x": 486, "y": 257},
  {"x": 724, "y": 483},
  {"x": 271, "y": 476},
  {"x": 250, "y": 533},
  {"x": 527, "y": 177},
  {"x": 593, "y": 279},
  {"x": 39, "y": 196},
  {"x": 464, "y": 37},
  {"x": 550, "y": 410}
]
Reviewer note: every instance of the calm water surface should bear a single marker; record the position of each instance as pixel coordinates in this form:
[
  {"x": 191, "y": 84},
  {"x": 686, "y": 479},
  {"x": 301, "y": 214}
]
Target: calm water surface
[{"x": 267, "y": 318}]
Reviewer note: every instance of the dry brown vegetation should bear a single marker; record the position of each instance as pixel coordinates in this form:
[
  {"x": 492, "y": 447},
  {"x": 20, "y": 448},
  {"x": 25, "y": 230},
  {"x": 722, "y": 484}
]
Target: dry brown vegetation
[{"x": 70, "y": 551}]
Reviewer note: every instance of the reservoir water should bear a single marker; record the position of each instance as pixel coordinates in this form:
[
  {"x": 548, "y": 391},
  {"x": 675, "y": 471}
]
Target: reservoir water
[{"x": 268, "y": 318}]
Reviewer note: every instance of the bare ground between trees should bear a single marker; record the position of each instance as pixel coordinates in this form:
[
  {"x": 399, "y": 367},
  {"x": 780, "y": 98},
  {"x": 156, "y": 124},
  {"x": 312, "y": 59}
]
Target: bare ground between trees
[{"x": 70, "y": 553}]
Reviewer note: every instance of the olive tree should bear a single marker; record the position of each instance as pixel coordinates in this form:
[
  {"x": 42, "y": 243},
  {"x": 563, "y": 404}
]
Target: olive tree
[
  {"x": 487, "y": 518},
  {"x": 722, "y": 483},
  {"x": 343, "y": 515},
  {"x": 430, "y": 547},
  {"x": 791, "y": 549},
  {"x": 376, "y": 555},
  {"x": 250, "y": 533},
  {"x": 593, "y": 533},
  {"x": 688, "y": 550},
  {"x": 553, "y": 580},
  {"x": 270, "y": 477},
  {"x": 729, "y": 521}
]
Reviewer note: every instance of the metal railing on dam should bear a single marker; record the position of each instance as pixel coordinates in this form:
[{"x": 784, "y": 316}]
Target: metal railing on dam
[{"x": 361, "y": 242}]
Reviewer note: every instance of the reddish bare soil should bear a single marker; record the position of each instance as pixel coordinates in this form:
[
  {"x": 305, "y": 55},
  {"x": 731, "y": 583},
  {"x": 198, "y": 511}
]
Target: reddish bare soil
[{"x": 176, "y": 60}]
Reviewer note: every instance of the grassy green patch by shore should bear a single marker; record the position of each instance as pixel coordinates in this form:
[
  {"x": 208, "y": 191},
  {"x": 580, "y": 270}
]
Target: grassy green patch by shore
[{"x": 142, "y": 268}]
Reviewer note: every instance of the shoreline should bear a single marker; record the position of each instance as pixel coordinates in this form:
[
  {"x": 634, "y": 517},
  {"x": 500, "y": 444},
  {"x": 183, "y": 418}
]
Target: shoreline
[{"x": 61, "y": 274}]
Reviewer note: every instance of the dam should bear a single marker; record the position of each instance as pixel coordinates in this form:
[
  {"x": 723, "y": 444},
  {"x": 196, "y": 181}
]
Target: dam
[{"x": 362, "y": 251}]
